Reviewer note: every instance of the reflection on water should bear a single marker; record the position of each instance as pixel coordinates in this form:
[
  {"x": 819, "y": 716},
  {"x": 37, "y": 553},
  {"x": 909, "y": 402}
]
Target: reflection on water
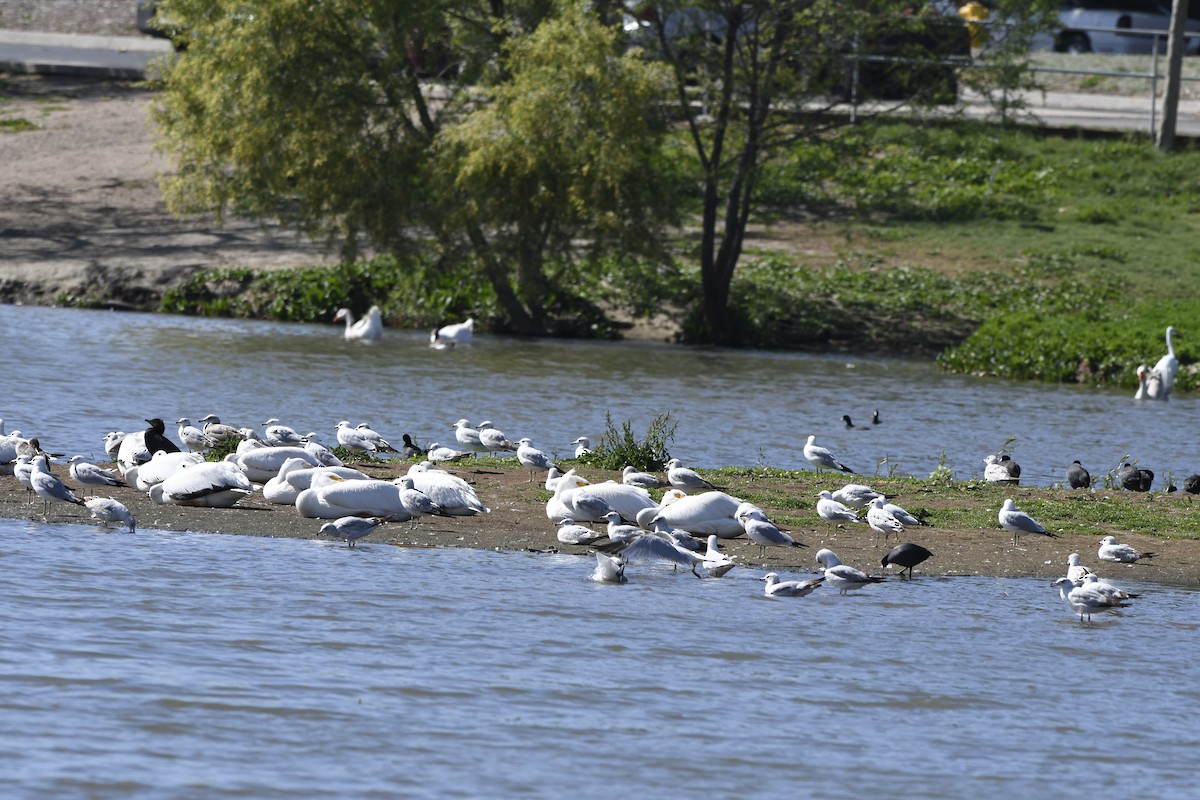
[
  {"x": 176, "y": 665},
  {"x": 83, "y": 373}
]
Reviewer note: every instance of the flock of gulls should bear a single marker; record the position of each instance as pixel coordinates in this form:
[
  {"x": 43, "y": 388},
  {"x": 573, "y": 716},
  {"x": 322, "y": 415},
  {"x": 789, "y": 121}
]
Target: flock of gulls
[{"x": 619, "y": 519}]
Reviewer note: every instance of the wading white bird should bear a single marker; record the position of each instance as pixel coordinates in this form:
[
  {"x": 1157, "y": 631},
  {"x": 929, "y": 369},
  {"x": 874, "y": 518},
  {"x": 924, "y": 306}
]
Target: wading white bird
[
  {"x": 1150, "y": 385},
  {"x": 840, "y": 576},
  {"x": 351, "y": 529},
  {"x": 570, "y": 533},
  {"x": 646, "y": 480},
  {"x": 609, "y": 569},
  {"x": 685, "y": 479},
  {"x": 453, "y": 335},
  {"x": 49, "y": 486},
  {"x": 856, "y": 495},
  {"x": 110, "y": 512},
  {"x": 831, "y": 510},
  {"x": 1076, "y": 571},
  {"x": 821, "y": 458},
  {"x": 762, "y": 531},
  {"x": 1093, "y": 582},
  {"x": 1119, "y": 553},
  {"x": 532, "y": 459},
  {"x": 1017, "y": 522},
  {"x": 1085, "y": 600},
  {"x": 883, "y": 521},
  {"x": 89, "y": 474},
  {"x": 778, "y": 588},
  {"x": 715, "y": 562},
  {"x": 367, "y": 329}
]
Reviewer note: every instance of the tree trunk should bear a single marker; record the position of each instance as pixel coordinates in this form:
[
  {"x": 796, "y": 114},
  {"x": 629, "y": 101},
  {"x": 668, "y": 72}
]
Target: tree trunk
[{"x": 522, "y": 321}]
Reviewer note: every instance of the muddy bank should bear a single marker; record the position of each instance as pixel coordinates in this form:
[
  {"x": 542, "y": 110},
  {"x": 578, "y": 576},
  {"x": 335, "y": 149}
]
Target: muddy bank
[{"x": 518, "y": 521}]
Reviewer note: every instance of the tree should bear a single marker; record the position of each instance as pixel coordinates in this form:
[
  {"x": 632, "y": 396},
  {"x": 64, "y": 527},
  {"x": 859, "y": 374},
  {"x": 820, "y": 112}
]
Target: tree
[{"x": 322, "y": 115}]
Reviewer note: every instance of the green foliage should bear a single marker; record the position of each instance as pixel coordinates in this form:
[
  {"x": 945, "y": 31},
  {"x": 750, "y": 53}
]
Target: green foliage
[
  {"x": 16, "y": 125},
  {"x": 618, "y": 449}
]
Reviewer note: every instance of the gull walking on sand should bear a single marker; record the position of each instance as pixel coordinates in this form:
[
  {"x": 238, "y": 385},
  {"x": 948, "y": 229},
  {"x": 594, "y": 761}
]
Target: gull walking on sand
[
  {"x": 532, "y": 459},
  {"x": 840, "y": 576},
  {"x": 1017, "y": 522},
  {"x": 88, "y": 474},
  {"x": 48, "y": 486},
  {"x": 778, "y": 588},
  {"x": 762, "y": 531},
  {"x": 1119, "y": 553},
  {"x": 822, "y": 458}
]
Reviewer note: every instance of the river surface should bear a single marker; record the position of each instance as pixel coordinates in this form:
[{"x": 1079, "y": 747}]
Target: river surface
[
  {"x": 179, "y": 665},
  {"x": 72, "y": 376}
]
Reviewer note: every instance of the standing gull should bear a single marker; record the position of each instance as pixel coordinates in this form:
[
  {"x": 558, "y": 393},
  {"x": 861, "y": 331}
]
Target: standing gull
[
  {"x": 351, "y": 529},
  {"x": 646, "y": 480},
  {"x": 468, "y": 437},
  {"x": 686, "y": 479},
  {"x": 88, "y": 474},
  {"x": 1017, "y": 522},
  {"x": 110, "y": 511},
  {"x": 855, "y": 495},
  {"x": 532, "y": 459},
  {"x": 1085, "y": 600},
  {"x": 883, "y": 521},
  {"x": 1076, "y": 571},
  {"x": 382, "y": 445},
  {"x": 778, "y": 588},
  {"x": 831, "y": 510},
  {"x": 191, "y": 436},
  {"x": 821, "y": 458},
  {"x": 494, "y": 440},
  {"x": 48, "y": 486},
  {"x": 1119, "y": 553},
  {"x": 762, "y": 531}
]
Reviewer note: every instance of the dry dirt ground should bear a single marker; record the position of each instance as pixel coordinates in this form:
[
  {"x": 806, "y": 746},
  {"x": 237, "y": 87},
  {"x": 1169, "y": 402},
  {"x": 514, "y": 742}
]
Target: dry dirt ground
[{"x": 518, "y": 522}]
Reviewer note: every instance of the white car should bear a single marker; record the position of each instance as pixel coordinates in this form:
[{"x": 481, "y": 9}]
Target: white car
[{"x": 1125, "y": 27}]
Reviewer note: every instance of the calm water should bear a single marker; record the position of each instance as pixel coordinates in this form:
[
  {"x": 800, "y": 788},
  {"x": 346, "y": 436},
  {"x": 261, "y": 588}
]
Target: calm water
[
  {"x": 85, "y": 373},
  {"x": 167, "y": 665}
]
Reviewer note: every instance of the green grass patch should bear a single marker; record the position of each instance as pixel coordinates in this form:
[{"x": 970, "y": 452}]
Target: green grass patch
[{"x": 16, "y": 125}]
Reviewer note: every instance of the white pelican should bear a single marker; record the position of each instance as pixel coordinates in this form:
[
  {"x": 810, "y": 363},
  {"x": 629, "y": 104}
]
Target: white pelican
[
  {"x": 840, "y": 576},
  {"x": 217, "y": 484},
  {"x": 570, "y": 533},
  {"x": 468, "y": 437},
  {"x": 494, "y": 440},
  {"x": 277, "y": 434},
  {"x": 161, "y": 467},
  {"x": 351, "y": 529},
  {"x": 552, "y": 476},
  {"x": 192, "y": 437},
  {"x": 89, "y": 474},
  {"x": 307, "y": 476},
  {"x": 369, "y": 498},
  {"x": 762, "y": 531},
  {"x": 1077, "y": 476},
  {"x": 451, "y": 493},
  {"x": 557, "y": 507},
  {"x": 263, "y": 463},
  {"x": 778, "y": 588},
  {"x": 883, "y": 521},
  {"x": 367, "y": 329},
  {"x": 685, "y": 479},
  {"x": 453, "y": 335},
  {"x": 1168, "y": 365},
  {"x": 49, "y": 486},
  {"x": 609, "y": 569},
  {"x": 1017, "y": 522},
  {"x": 532, "y": 459},
  {"x": 1085, "y": 600},
  {"x": 279, "y": 490},
  {"x": 1119, "y": 553},
  {"x": 831, "y": 510},
  {"x": 821, "y": 458},
  {"x": 707, "y": 513},
  {"x": 110, "y": 511},
  {"x": 906, "y": 556},
  {"x": 1076, "y": 571}
]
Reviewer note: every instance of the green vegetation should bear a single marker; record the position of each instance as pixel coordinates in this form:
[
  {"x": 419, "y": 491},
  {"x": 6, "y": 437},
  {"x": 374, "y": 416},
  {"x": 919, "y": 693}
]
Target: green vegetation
[
  {"x": 618, "y": 449},
  {"x": 16, "y": 125}
]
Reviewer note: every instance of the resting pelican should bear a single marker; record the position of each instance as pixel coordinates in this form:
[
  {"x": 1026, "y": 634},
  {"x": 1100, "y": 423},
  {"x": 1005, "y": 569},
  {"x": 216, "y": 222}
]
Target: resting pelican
[
  {"x": 625, "y": 500},
  {"x": 263, "y": 463},
  {"x": 707, "y": 513},
  {"x": 451, "y": 493},
  {"x": 161, "y": 467},
  {"x": 369, "y": 498},
  {"x": 217, "y": 484},
  {"x": 367, "y": 329}
]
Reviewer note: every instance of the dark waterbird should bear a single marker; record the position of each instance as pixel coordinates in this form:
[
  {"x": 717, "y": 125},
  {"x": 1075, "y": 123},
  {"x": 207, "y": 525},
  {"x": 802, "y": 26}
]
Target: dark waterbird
[
  {"x": 156, "y": 438},
  {"x": 1077, "y": 476},
  {"x": 1134, "y": 479},
  {"x": 906, "y": 556}
]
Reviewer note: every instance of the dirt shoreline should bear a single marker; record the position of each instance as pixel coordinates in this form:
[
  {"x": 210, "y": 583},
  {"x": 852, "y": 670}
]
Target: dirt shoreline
[{"x": 518, "y": 522}]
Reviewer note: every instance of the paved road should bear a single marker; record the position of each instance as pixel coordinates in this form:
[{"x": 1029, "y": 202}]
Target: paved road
[{"x": 127, "y": 57}]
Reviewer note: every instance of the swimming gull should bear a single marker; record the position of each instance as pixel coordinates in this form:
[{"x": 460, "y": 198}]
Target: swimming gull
[
  {"x": 906, "y": 556},
  {"x": 778, "y": 588},
  {"x": 883, "y": 521},
  {"x": 1119, "y": 553},
  {"x": 1077, "y": 476},
  {"x": 1017, "y": 522},
  {"x": 351, "y": 528},
  {"x": 367, "y": 329},
  {"x": 840, "y": 576},
  {"x": 109, "y": 511},
  {"x": 821, "y": 458},
  {"x": 1085, "y": 600}
]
